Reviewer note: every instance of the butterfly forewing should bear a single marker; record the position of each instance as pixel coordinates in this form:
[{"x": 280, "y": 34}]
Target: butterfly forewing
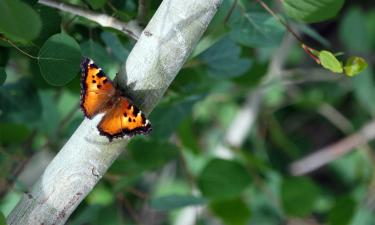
[{"x": 96, "y": 90}]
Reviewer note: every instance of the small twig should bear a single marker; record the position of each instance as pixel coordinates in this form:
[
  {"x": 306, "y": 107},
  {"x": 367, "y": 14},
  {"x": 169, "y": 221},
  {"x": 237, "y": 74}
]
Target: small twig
[
  {"x": 309, "y": 51},
  {"x": 138, "y": 193},
  {"x": 265, "y": 6},
  {"x": 336, "y": 118},
  {"x": 230, "y": 11},
  {"x": 305, "y": 47},
  {"x": 328, "y": 154},
  {"x": 109, "y": 3},
  {"x": 67, "y": 24},
  {"x": 130, "y": 29}
]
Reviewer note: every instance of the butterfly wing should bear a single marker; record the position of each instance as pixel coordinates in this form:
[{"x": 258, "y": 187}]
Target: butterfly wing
[
  {"x": 122, "y": 119},
  {"x": 96, "y": 88}
]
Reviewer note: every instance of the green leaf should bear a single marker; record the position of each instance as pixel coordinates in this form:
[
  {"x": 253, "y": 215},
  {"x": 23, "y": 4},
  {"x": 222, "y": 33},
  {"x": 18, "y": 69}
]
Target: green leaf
[
  {"x": 364, "y": 215},
  {"x": 223, "y": 59},
  {"x": 59, "y": 59},
  {"x": 370, "y": 31},
  {"x": 86, "y": 215},
  {"x": 232, "y": 211},
  {"x": 3, "y": 220},
  {"x": 13, "y": 133},
  {"x": 50, "y": 117},
  {"x": 329, "y": 61},
  {"x": 342, "y": 212},
  {"x": 19, "y": 102},
  {"x": 31, "y": 2},
  {"x": 230, "y": 176},
  {"x": 114, "y": 43},
  {"x": 171, "y": 202},
  {"x": 3, "y": 76},
  {"x": 255, "y": 29},
  {"x": 101, "y": 195},
  {"x": 298, "y": 196},
  {"x": 364, "y": 90},
  {"x": 108, "y": 216},
  {"x": 99, "y": 54},
  {"x": 353, "y": 33},
  {"x": 354, "y": 65},
  {"x": 167, "y": 116},
  {"x": 208, "y": 40},
  {"x": 129, "y": 171},
  {"x": 312, "y": 11},
  {"x": 51, "y": 21},
  {"x": 18, "y": 21},
  {"x": 187, "y": 135},
  {"x": 352, "y": 168},
  {"x": 152, "y": 154},
  {"x": 97, "y": 4}
]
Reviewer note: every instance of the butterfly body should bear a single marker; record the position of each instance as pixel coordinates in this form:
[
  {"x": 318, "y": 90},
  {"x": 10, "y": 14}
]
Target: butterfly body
[{"x": 98, "y": 95}]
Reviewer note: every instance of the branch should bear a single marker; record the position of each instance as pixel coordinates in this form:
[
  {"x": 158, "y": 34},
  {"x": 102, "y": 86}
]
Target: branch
[
  {"x": 328, "y": 154},
  {"x": 131, "y": 28},
  {"x": 152, "y": 65}
]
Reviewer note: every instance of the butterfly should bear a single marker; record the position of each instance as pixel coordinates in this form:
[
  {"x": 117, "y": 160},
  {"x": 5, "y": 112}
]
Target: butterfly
[{"x": 98, "y": 95}]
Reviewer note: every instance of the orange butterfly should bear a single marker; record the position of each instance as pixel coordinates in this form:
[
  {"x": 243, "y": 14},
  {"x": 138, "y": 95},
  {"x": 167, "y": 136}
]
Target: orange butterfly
[{"x": 98, "y": 94}]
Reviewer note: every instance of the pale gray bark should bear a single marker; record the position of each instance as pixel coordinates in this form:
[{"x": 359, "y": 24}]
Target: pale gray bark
[
  {"x": 152, "y": 65},
  {"x": 131, "y": 28},
  {"x": 333, "y": 151}
]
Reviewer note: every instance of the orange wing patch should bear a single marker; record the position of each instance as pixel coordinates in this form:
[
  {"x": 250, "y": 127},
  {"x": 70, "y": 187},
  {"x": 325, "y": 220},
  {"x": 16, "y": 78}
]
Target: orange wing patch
[
  {"x": 123, "y": 119},
  {"x": 98, "y": 94},
  {"x": 96, "y": 89}
]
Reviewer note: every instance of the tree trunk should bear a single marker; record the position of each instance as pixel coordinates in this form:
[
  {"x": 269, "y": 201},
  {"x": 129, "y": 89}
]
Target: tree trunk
[{"x": 152, "y": 65}]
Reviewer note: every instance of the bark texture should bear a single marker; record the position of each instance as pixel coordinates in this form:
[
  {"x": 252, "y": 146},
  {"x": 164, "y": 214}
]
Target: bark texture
[{"x": 159, "y": 54}]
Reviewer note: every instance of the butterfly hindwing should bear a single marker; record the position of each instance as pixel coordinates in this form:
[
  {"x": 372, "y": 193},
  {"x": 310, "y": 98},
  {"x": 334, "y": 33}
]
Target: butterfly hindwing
[
  {"x": 96, "y": 88},
  {"x": 123, "y": 119}
]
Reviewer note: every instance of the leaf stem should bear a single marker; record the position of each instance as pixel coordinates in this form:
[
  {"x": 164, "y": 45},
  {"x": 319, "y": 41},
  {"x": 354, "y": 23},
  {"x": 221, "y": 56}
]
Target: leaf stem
[
  {"x": 268, "y": 9},
  {"x": 310, "y": 51},
  {"x": 16, "y": 47},
  {"x": 226, "y": 19},
  {"x": 305, "y": 47}
]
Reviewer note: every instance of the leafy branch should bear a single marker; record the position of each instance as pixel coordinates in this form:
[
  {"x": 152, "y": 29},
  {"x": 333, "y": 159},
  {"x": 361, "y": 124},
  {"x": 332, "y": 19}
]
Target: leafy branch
[
  {"x": 353, "y": 66},
  {"x": 130, "y": 28}
]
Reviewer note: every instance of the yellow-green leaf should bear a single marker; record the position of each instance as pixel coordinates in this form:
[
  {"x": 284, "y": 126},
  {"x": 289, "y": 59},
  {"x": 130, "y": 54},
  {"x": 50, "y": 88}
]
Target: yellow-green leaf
[
  {"x": 329, "y": 61},
  {"x": 354, "y": 65}
]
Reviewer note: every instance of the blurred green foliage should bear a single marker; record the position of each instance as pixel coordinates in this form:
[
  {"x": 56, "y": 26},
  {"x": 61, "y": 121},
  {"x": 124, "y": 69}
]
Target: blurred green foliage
[{"x": 179, "y": 166}]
